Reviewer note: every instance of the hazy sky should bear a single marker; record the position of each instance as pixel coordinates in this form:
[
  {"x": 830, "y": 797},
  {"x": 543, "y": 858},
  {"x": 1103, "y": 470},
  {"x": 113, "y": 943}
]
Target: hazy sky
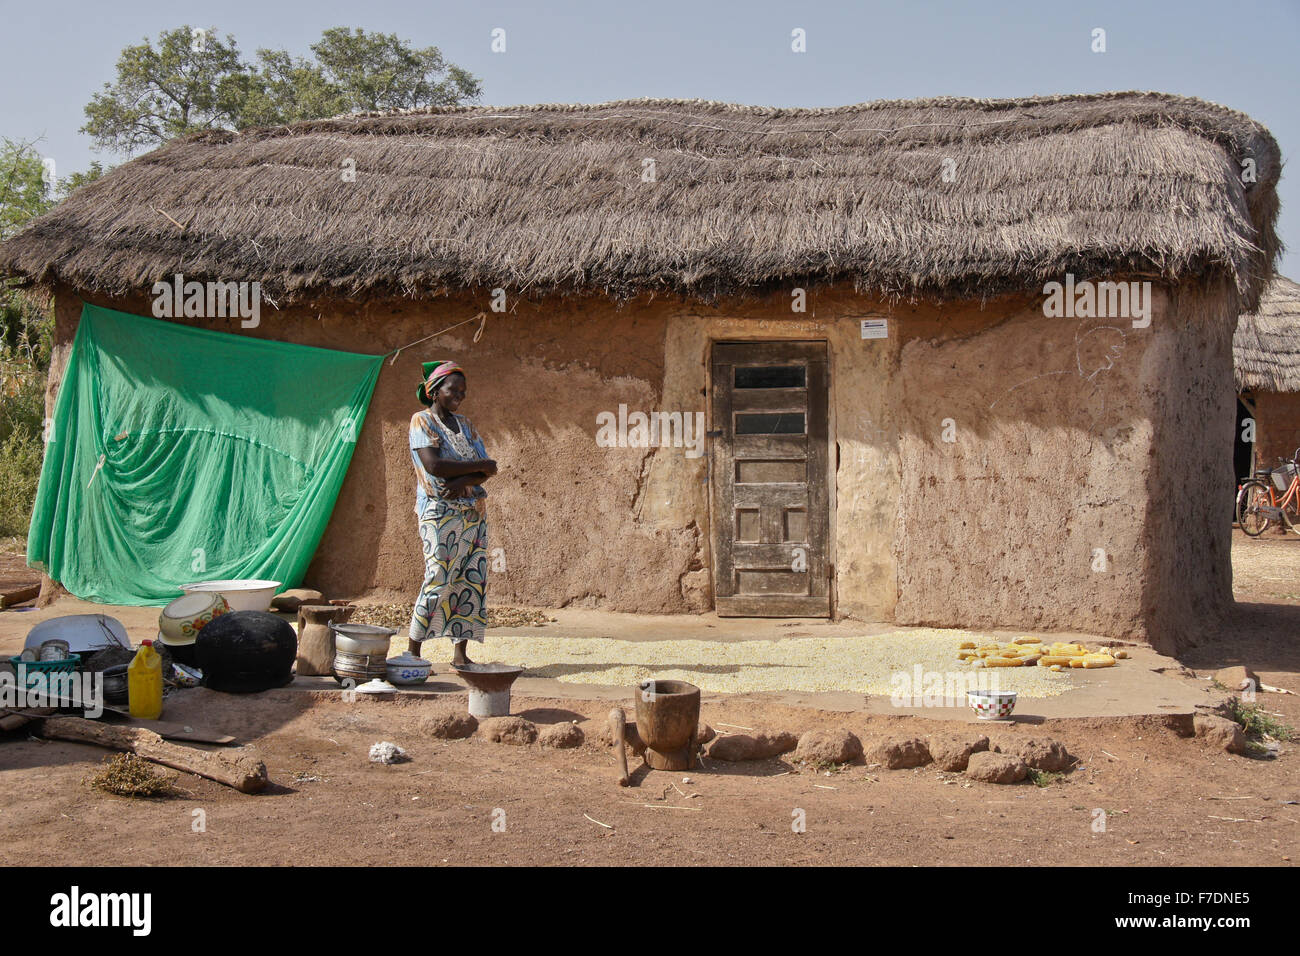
[{"x": 1241, "y": 54}]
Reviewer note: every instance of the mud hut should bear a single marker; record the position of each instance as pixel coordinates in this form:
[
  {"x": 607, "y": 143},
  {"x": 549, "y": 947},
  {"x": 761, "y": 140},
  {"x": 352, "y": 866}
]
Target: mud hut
[
  {"x": 1266, "y": 359},
  {"x": 899, "y": 327}
]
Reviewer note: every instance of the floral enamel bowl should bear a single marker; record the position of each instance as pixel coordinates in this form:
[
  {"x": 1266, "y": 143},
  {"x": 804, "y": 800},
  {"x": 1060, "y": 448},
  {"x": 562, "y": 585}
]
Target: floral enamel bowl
[{"x": 408, "y": 669}]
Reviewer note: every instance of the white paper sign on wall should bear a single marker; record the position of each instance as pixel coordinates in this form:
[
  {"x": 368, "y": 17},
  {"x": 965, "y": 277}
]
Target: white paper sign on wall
[{"x": 875, "y": 328}]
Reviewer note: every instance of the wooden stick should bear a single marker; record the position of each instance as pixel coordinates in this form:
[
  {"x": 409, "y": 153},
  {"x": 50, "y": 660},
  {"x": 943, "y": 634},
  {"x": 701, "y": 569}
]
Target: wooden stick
[
  {"x": 598, "y": 823},
  {"x": 21, "y": 596},
  {"x": 243, "y": 771},
  {"x": 173, "y": 221},
  {"x": 14, "y": 719},
  {"x": 617, "y": 726}
]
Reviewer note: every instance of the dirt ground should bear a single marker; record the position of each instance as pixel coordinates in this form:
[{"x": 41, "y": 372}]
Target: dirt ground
[{"x": 1167, "y": 799}]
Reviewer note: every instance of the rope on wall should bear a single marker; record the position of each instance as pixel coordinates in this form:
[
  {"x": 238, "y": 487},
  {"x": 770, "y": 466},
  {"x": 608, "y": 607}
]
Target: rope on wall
[{"x": 481, "y": 318}]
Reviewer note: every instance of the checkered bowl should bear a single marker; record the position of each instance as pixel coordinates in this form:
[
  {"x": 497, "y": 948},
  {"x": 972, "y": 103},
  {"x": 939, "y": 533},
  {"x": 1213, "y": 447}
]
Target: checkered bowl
[{"x": 991, "y": 704}]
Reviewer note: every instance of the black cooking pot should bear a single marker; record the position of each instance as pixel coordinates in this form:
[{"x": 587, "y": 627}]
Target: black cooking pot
[{"x": 246, "y": 651}]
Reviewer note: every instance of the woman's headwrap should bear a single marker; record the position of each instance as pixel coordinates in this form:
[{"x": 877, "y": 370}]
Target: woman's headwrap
[{"x": 434, "y": 373}]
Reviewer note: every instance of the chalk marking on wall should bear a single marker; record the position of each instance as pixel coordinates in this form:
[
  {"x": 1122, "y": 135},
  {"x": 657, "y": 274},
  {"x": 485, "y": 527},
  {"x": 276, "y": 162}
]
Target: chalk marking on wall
[{"x": 1110, "y": 357}]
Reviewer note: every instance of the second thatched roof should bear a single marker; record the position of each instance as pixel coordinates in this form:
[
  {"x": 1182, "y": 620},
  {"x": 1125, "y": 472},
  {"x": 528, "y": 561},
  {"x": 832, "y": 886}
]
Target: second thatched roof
[
  {"x": 946, "y": 198},
  {"x": 1266, "y": 345}
]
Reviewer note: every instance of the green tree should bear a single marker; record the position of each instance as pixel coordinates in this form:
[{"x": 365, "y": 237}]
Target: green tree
[
  {"x": 287, "y": 89},
  {"x": 378, "y": 71},
  {"x": 68, "y": 183},
  {"x": 26, "y": 324},
  {"x": 194, "y": 80},
  {"x": 25, "y": 192}
]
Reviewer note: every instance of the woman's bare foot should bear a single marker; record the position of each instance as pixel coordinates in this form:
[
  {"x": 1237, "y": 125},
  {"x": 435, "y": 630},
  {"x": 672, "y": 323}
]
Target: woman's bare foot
[
  {"x": 413, "y": 647},
  {"x": 460, "y": 658}
]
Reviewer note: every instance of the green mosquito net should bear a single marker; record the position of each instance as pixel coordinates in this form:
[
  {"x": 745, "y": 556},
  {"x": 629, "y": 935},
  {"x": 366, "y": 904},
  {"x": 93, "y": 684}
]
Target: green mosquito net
[{"x": 179, "y": 454}]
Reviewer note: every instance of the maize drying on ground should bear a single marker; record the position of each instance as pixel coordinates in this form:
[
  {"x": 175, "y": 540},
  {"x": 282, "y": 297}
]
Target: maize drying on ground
[
  {"x": 864, "y": 665},
  {"x": 1030, "y": 651}
]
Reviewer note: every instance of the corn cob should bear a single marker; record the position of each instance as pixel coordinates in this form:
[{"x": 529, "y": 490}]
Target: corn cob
[
  {"x": 1071, "y": 650},
  {"x": 968, "y": 645},
  {"x": 1027, "y": 640},
  {"x": 1098, "y": 660},
  {"x": 1003, "y": 661},
  {"x": 1049, "y": 659}
]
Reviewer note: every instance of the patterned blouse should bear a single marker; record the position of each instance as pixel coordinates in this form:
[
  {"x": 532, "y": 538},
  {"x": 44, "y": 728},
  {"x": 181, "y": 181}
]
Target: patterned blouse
[{"x": 428, "y": 431}]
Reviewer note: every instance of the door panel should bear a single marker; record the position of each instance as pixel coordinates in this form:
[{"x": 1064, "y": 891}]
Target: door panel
[{"x": 771, "y": 501}]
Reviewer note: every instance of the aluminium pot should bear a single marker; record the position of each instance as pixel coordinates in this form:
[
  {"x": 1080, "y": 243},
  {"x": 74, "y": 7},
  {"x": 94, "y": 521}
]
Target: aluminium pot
[{"x": 360, "y": 651}]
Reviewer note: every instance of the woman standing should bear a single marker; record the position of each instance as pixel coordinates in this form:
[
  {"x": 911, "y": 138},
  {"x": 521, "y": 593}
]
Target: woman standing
[{"x": 450, "y": 467}]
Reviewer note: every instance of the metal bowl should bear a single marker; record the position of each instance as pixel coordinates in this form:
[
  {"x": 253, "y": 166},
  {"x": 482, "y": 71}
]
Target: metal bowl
[{"x": 241, "y": 595}]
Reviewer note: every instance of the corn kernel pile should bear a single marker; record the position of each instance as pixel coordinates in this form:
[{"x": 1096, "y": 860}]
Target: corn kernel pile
[{"x": 1030, "y": 651}]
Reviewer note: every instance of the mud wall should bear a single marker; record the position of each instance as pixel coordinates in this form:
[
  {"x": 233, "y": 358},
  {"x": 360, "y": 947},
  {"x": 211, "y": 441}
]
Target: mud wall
[
  {"x": 1277, "y": 426},
  {"x": 1025, "y": 453},
  {"x": 989, "y": 467},
  {"x": 1187, "y": 383},
  {"x": 565, "y": 514}
]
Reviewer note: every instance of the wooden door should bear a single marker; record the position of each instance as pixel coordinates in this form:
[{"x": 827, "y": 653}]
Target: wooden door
[{"x": 770, "y": 496}]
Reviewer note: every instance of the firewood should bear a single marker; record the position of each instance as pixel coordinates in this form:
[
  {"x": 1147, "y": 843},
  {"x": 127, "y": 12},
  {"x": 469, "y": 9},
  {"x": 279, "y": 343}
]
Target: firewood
[
  {"x": 244, "y": 771},
  {"x": 13, "y": 719},
  {"x": 20, "y": 596}
]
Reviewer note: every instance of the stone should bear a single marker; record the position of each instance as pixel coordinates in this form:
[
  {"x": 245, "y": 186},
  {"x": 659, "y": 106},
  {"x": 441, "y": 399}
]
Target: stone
[
  {"x": 828, "y": 746},
  {"x": 899, "y": 753},
  {"x": 1041, "y": 753},
  {"x": 449, "y": 726},
  {"x": 293, "y": 598},
  {"x": 561, "y": 736},
  {"x": 1235, "y": 678},
  {"x": 996, "y": 768},
  {"x": 508, "y": 730},
  {"x": 952, "y": 754},
  {"x": 387, "y": 752},
  {"x": 759, "y": 746},
  {"x": 1220, "y": 732}
]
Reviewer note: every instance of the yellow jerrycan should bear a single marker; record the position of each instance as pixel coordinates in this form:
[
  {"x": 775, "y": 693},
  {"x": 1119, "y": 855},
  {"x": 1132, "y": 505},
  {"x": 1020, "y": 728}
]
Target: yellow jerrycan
[{"x": 144, "y": 683}]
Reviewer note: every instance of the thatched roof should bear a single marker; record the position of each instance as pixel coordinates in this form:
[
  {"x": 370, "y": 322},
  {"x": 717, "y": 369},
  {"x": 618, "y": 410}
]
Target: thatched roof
[
  {"x": 553, "y": 198},
  {"x": 1266, "y": 345}
]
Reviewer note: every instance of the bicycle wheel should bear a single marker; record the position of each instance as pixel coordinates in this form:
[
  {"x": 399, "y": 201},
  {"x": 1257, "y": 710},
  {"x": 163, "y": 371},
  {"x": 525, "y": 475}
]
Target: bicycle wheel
[{"x": 1252, "y": 495}]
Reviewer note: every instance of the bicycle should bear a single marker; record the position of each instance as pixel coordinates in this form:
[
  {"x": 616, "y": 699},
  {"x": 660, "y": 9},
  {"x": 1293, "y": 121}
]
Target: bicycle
[{"x": 1258, "y": 501}]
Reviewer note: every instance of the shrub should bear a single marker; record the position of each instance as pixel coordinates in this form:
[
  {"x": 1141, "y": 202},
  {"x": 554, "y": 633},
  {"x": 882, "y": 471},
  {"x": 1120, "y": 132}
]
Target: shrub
[{"x": 20, "y": 471}]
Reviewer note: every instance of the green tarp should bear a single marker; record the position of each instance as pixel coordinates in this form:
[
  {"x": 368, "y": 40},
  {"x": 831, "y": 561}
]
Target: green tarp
[{"x": 178, "y": 455}]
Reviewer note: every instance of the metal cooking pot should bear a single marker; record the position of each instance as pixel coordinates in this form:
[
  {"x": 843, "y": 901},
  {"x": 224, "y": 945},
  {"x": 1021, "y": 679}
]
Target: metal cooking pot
[
  {"x": 360, "y": 650},
  {"x": 361, "y": 640}
]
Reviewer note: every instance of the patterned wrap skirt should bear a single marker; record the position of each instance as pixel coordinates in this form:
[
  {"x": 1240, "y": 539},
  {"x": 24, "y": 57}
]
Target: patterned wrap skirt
[{"x": 453, "y": 599}]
